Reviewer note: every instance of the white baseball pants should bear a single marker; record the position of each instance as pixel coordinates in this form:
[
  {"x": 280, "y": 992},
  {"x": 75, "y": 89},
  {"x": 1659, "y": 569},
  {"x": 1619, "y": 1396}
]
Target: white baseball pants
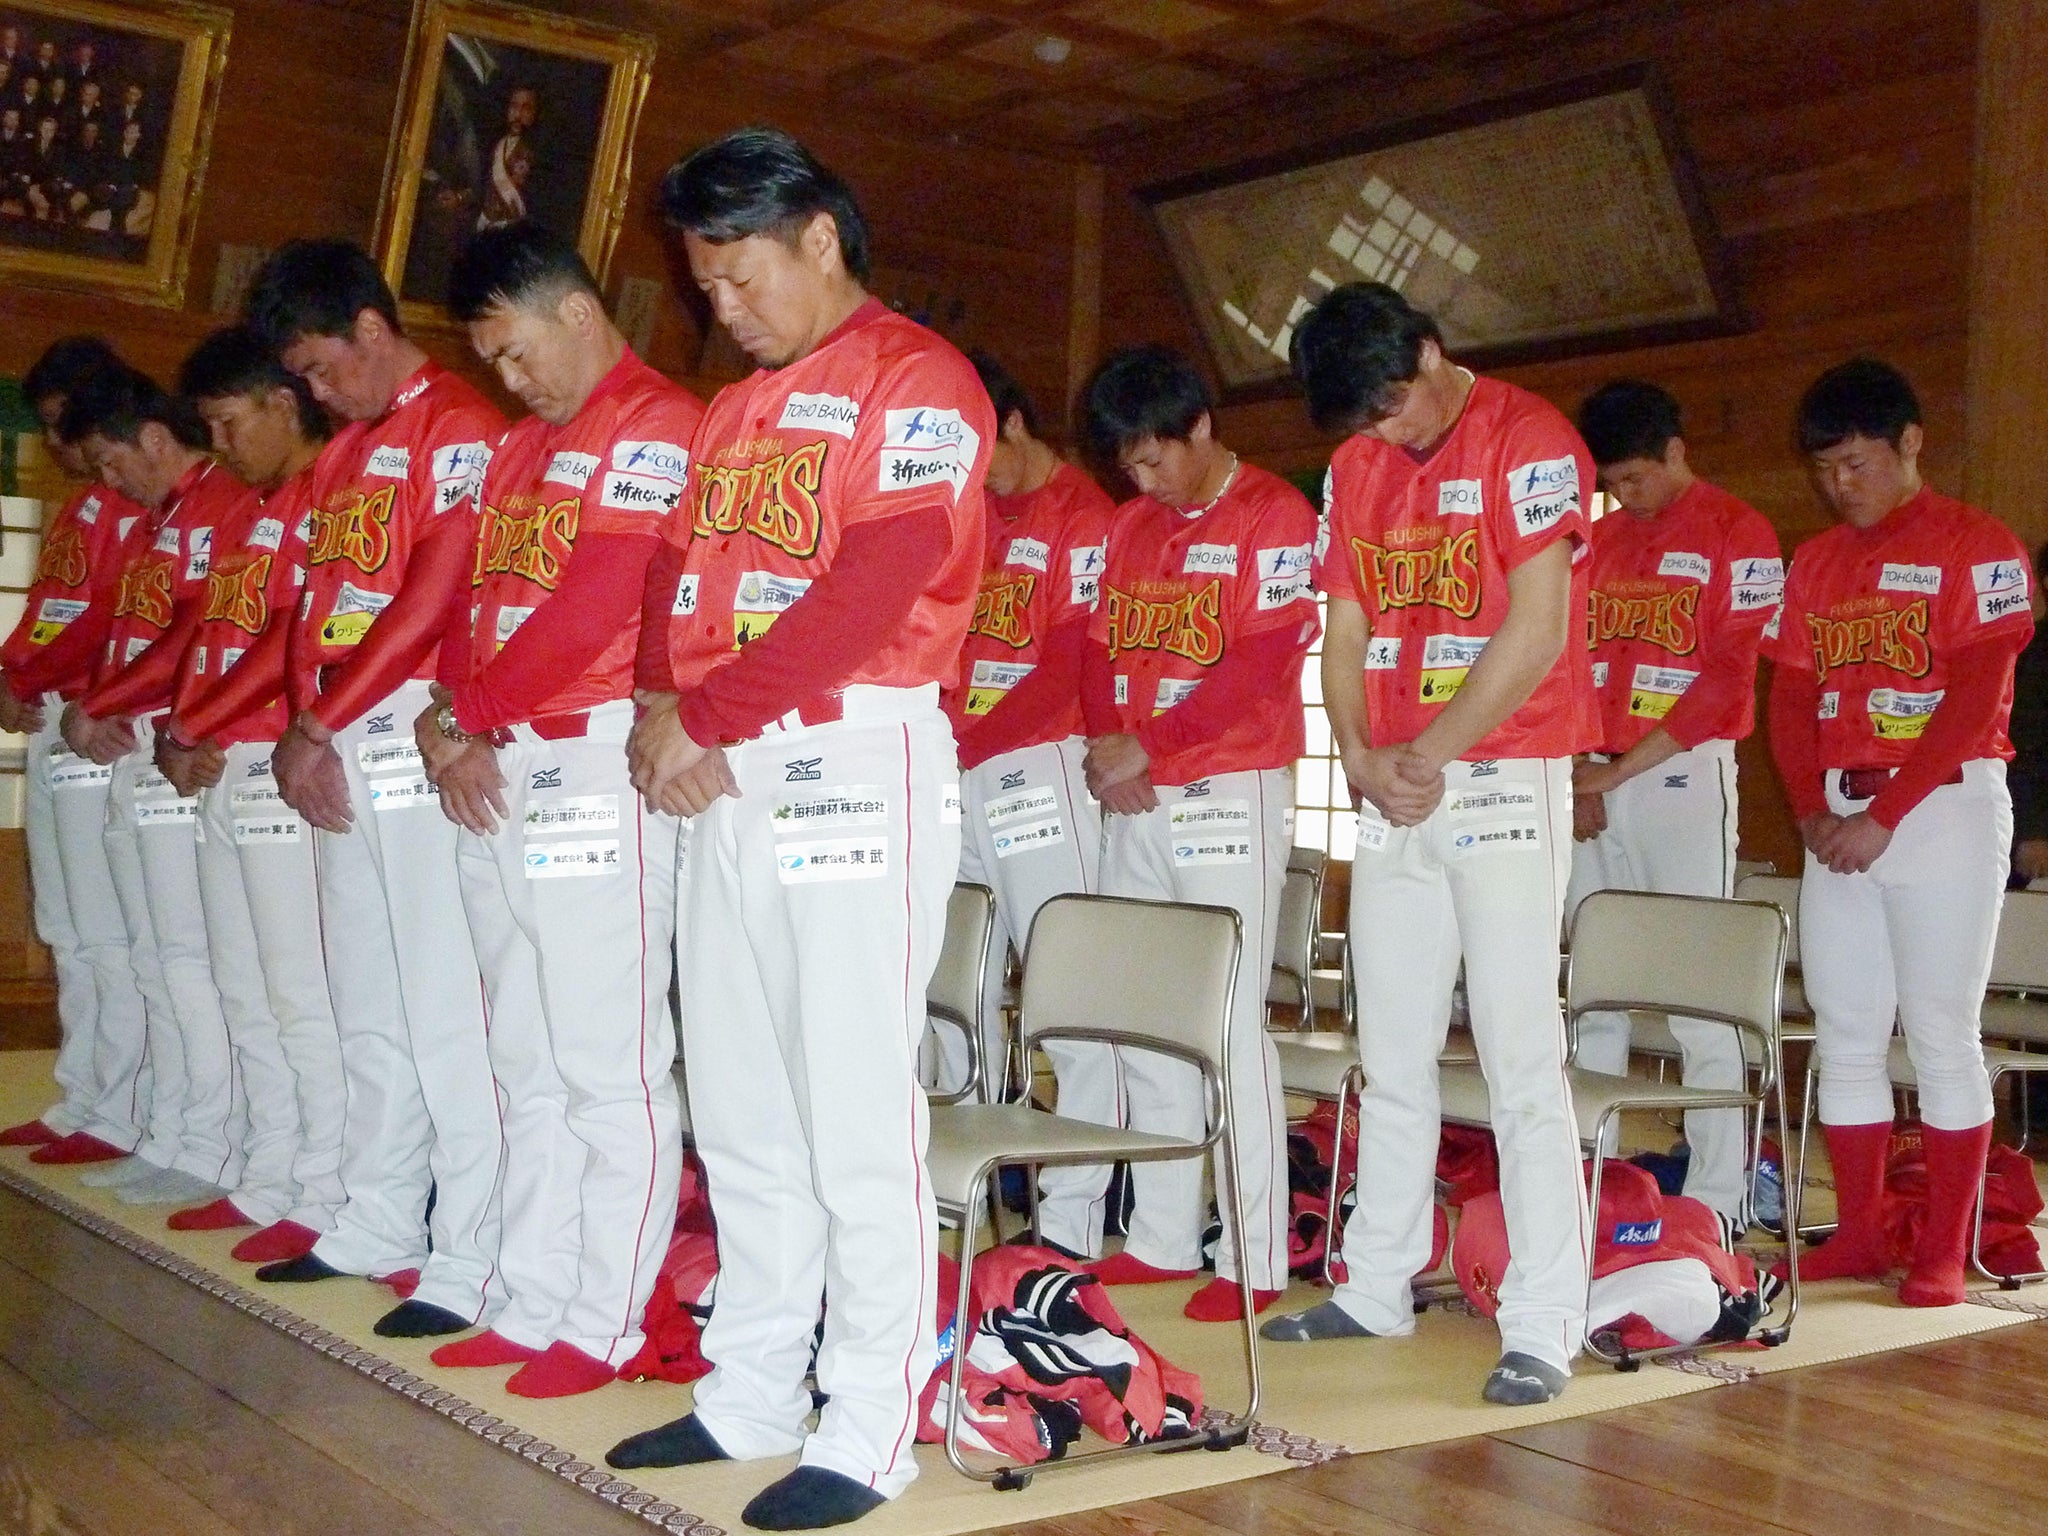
[
  {"x": 113, "y": 959},
  {"x": 1482, "y": 880},
  {"x": 1909, "y": 939},
  {"x": 572, "y": 903},
  {"x": 196, "y": 1114},
  {"x": 1672, "y": 830},
  {"x": 409, "y": 1010},
  {"x": 816, "y": 907},
  {"x": 263, "y": 923},
  {"x": 1221, "y": 841}
]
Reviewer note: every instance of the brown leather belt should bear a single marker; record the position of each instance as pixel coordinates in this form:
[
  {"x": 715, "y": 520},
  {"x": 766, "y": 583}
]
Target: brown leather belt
[{"x": 1867, "y": 783}]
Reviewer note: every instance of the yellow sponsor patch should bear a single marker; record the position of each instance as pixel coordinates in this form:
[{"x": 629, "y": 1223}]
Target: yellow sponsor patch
[{"x": 346, "y": 628}]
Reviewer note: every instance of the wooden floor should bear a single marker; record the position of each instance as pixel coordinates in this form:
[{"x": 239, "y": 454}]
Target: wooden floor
[{"x": 133, "y": 1405}]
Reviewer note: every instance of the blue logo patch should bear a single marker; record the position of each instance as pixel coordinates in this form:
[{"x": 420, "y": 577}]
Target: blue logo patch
[{"x": 1638, "y": 1234}]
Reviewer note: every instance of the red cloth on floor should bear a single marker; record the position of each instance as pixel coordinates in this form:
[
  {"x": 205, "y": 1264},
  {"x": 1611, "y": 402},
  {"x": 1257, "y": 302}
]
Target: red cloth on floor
[{"x": 2011, "y": 1202}]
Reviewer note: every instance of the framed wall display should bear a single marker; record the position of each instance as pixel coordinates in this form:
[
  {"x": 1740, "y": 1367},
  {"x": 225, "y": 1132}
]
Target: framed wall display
[
  {"x": 106, "y": 116},
  {"x": 505, "y": 114},
  {"x": 1563, "y": 221}
]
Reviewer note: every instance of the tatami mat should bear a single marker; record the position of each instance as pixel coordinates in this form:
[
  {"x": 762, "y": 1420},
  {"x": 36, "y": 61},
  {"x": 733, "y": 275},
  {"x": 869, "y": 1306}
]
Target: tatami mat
[{"x": 1320, "y": 1400}]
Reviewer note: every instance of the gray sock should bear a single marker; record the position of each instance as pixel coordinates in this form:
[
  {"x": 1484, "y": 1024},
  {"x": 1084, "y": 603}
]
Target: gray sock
[
  {"x": 1520, "y": 1380},
  {"x": 129, "y": 1170},
  {"x": 1324, "y": 1321}
]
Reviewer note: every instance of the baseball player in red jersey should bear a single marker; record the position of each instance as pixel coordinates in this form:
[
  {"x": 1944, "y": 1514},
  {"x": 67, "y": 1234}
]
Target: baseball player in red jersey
[
  {"x": 567, "y": 876},
  {"x": 151, "y": 445},
  {"x": 393, "y": 540},
  {"x": 1683, "y": 584},
  {"x": 1893, "y": 686},
  {"x": 1458, "y": 689},
  {"x": 1030, "y": 829},
  {"x": 256, "y": 880},
  {"x": 1192, "y": 689},
  {"x": 45, "y": 663},
  {"x": 820, "y": 579}
]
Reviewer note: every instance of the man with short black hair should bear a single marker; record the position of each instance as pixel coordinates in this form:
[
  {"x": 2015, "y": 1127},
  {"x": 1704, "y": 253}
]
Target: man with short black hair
[
  {"x": 1894, "y": 651},
  {"x": 1684, "y": 579},
  {"x": 568, "y": 877},
  {"x": 1458, "y": 689},
  {"x": 47, "y": 662},
  {"x": 392, "y": 545},
  {"x": 1192, "y": 691},
  {"x": 152, "y": 446},
  {"x": 819, "y": 579}
]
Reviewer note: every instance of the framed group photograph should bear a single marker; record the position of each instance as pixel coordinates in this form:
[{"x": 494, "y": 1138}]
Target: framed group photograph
[
  {"x": 505, "y": 114},
  {"x": 106, "y": 116}
]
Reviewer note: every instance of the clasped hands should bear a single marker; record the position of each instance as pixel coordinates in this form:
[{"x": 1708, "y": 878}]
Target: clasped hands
[
  {"x": 673, "y": 772},
  {"x": 1402, "y": 783},
  {"x": 1847, "y": 845}
]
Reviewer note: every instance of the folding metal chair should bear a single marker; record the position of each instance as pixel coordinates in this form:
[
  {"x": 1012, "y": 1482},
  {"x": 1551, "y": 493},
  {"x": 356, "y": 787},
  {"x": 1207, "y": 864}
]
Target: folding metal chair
[{"x": 1294, "y": 954}]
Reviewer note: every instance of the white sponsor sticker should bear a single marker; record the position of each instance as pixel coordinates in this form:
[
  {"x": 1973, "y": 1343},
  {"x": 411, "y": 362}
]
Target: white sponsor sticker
[
  {"x": 2001, "y": 589},
  {"x": 1599, "y": 674},
  {"x": 59, "y": 610},
  {"x": 1283, "y": 575},
  {"x": 389, "y": 462},
  {"x": 161, "y": 813},
  {"x": 1029, "y": 836},
  {"x": 1777, "y": 617},
  {"x": 199, "y": 660},
  {"x": 1543, "y": 493},
  {"x": 686, "y": 597},
  {"x": 401, "y": 792},
  {"x": 1210, "y": 560},
  {"x": 509, "y": 620},
  {"x": 1029, "y": 553},
  {"x": 462, "y": 461},
  {"x": 1382, "y": 653},
  {"x": 567, "y": 860},
  {"x": 229, "y": 655},
  {"x": 71, "y": 772},
  {"x": 854, "y": 805},
  {"x": 821, "y": 413},
  {"x": 990, "y": 680},
  {"x": 137, "y": 644},
  {"x": 949, "y": 806},
  {"x": 1023, "y": 804},
  {"x": 1084, "y": 568},
  {"x": 1830, "y": 705},
  {"x": 1686, "y": 565},
  {"x": 835, "y": 858},
  {"x": 1372, "y": 833},
  {"x": 1493, "y": 800},
  {"x": 1507, "y": 832},
  {"x": 1460, "y": 498},
  {"x": 126, "y": 526},
  {"x": 624, "y": 492},
  {"x": 1896, "y": 715},
  {"x": 1170, "y": 692},
  {"x": 1922, "y": 579},
  {"x": 167, "y": 540},
  {"x": 354, "y": 599},
  {"x": 1653, "y": 690},
  {"x": 266, "y": 829},
  {"x": 267, "y": 534},
  {"x": 572, "y": 813},
  {"x": 923, "y": 445},
  {"x": 1121, "y": 685},
  {"x": 1188, "y": 817},
  {"x": 304, "y": 532},
  {"x": 571, "y": 468},
  {"x": 200, "y": 559},
  {"x": 1198, "y": 849},
  {"x": 383, "y": 756},
  {"x": 89, "y": 511},
  {"x": 765, "y": 592},
  {"x": 261, "y": 796},
  {"x": 1756, "y": 584}
]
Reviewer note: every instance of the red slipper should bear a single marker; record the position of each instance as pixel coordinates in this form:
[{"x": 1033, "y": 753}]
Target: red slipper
[
  {"x": 1222, "y": 1301},
  {"x": 403, "y": 1282},
  {"x": 279, "y": 1241},
  {"x": 216, "y": 1217},
  {"x": 78, "y": 1147},
  {"x": 1122, "y": 1269},
  {"x": 30, "y": 1133},
  {"x": 486, "y": 1348},
  {"x": 563, "y": 1371}
]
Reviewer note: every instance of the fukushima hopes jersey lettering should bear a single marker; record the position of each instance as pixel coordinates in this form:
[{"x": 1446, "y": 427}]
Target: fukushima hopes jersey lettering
[
  {"x": 1877, "y": 614},
  {"x": 1042, "y": 568},
  {"x": 1669, "y": 593},
  {"x": 1425, "y": 550},
  {"x": 618, "y": 468},
  {"x": 381, "y": 484},
  {"x": 168, "y": 560},
  {"x": 78, "y": 565},
  {"x": 1178, "y": 592},
  {"x": 883, "y": 418}
]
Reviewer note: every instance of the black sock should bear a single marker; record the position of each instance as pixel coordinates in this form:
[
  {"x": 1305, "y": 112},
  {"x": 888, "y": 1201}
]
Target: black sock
[
  {"x": 809, "y": 1499},
  {"x": 304, "y": 1267},
  {"x": 679, "y": 1443},
  {"x": 419, "y": 1320}
]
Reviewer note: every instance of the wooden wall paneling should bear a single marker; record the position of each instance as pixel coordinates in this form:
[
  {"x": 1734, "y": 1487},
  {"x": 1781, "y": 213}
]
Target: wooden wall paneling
[{"x": 1084, "y": 323}]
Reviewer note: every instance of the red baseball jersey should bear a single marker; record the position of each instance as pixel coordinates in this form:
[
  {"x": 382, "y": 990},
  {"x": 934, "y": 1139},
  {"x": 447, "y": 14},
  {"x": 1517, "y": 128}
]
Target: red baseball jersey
[
  {"x": 1178, "y": 591},
  {"x": 258, "y": 570},
  {"x": 381, "y": 483},
  {"x": 1699, "y": 580},
  {"x": 619, "y": 467},
  {"x": 1425, "y": 549},
  {"x": 1042, "y": 567},
  {"x": 168, "y": 559},
  {"x": 883, "y": 418},
  {"x": 79, "y": 564},
  {"x": 1877, "y": 613}
]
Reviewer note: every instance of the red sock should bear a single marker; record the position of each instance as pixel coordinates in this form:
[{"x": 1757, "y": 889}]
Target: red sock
[
  {"x": 279, "y": 1241},
  {"x": 1222, "y": 1301},
  {"x": 78, "y": 1147},
  {"x": 402, "y": 1282},
  {"x": 1858, "y": 1248},
  {"x": 486, "y": 1348},
  {"x": 216, "y": 1217},
  {"x": 30, "y": 1133},
  {"x": 1955, "y": 1176},
  {"x": 563, "y": 1371},
  {"x": 1123, "y": 1269}
]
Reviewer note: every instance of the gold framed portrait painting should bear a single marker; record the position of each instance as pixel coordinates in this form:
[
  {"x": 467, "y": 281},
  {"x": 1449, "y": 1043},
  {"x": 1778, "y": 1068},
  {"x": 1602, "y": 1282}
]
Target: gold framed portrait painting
[
  {"x": 106, "y": 117},
  {"x": 505, "y": 114}
]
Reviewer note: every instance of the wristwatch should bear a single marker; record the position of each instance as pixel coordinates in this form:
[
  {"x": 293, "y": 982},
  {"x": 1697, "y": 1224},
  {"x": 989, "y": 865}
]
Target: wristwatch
[{"x": 444, "y": 721}]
